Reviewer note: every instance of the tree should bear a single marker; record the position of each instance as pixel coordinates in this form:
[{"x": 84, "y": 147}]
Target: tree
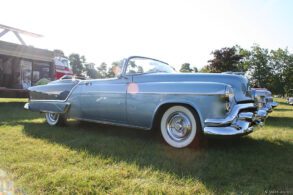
[
  {"x": 195, "y": 69},
  {"x": 243, "y": 64},
  {"x": 278, "y": 60},
  {"x": 76, "y": 63},
  {"x": 205, "y": 69},
  {"x": 260, "y": 70},
  {"x": 281, "y": 62},
  {"x": 225, "y": 59},
  {"x": 92, "y": 73},
  {"x": 58, "y": 53},
  {"x": 102, "y": 70},
  {"x": 185, "y": 68},
  {"x": 89, "y": 70},
  {"x": 288, "y": 75}
]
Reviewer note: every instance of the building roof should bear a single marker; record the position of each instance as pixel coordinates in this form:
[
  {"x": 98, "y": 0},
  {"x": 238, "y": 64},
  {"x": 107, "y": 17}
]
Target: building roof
[{"x": 28, "y": 52}]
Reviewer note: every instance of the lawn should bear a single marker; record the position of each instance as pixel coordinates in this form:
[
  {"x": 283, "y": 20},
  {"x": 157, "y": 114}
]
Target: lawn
[{"x": 91, "y": 158}]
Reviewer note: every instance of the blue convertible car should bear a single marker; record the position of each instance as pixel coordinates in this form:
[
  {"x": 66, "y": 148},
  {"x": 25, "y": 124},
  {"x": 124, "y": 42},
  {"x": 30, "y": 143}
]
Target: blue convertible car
[{"x": 146, "y": 92}]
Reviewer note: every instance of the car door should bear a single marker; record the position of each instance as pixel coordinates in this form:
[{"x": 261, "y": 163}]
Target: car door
[{"x": 104, "y": 100}]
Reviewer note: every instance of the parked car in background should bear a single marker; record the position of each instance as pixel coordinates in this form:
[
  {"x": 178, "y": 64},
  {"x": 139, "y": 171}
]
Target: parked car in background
[
  {"x": 290, "y": 97},
  {"x": 62, "y": 67},
  {"x": 290, "y": 100},
  {"x": 148, "y": 93},
  {"x": 264, "y": 99}
]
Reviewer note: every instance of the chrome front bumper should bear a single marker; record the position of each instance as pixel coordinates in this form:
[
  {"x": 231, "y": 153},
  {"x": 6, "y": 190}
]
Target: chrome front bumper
[
  {"x": 238, "y": 122},
  {"x": 269, "y": 106}
]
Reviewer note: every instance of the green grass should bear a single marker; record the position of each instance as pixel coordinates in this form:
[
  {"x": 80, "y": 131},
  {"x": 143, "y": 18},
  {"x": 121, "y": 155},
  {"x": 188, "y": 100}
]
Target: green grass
[{"x": 91, "y": 158}]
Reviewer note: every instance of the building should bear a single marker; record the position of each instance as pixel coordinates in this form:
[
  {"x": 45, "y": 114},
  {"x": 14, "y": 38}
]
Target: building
[{"x": 22, "y": 66}]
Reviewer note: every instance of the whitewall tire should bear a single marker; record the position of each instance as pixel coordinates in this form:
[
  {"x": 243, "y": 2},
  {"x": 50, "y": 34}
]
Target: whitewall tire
[
  {"x": 179, "y": 126},
  {"x": 55, "y": 119}
]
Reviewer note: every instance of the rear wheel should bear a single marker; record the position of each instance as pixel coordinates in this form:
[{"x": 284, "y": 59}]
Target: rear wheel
[
  {"x": 180, "y": 126},
  {"x": 55, "y": 119}
]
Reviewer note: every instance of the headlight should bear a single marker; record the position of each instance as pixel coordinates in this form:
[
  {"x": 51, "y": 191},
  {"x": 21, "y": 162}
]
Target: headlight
[
  {"x": 229, "y": 92},
  {"x": 228, "y": 96},
  {"x": 260, "y": 101}
]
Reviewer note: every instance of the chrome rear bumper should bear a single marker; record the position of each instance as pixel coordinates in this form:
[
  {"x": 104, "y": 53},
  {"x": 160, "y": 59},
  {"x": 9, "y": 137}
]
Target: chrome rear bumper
[
  {"x": 238, "y": 122},
  {"x": 27, "y": 106}
]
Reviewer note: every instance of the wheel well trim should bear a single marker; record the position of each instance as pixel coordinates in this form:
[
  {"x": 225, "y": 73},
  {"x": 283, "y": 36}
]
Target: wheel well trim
[{"x": 182, "y": 102}]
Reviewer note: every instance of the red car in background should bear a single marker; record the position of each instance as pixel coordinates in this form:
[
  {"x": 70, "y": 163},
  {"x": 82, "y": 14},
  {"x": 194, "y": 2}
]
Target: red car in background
[{"x": 62, "y": 67}]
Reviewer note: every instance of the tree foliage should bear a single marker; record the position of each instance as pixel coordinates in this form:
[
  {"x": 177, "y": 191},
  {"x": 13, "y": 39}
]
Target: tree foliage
[
  {"x": 102, "y": 70},
  {"x": 58, "y": 53},
  {"x": 226, "y": 59},
  {"x": 260, "y": 69},
  {"x": 76, "y": 63},
  {"x": 187, "y": 69},
  {"x": 92, "y": 73},
  {"x": 272, "y": 69}
]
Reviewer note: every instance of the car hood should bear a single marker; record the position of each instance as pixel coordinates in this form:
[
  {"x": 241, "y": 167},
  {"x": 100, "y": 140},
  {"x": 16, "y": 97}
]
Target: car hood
[{"x": 237, "y": 82}]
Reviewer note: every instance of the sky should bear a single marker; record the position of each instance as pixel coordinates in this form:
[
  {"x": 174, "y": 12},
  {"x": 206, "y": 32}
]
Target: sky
[{"x": 175, "y": 31}]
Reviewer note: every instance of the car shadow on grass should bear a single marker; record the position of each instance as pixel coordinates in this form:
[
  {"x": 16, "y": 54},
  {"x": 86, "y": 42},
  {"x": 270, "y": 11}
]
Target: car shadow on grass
[
  {"x": 283, "y": 109},
  {"x": 283, "y": 103},
  {"x": 14, "y": 111},
  {"x": 280, "y": 121},
  {"x": 239, "y": 164}
]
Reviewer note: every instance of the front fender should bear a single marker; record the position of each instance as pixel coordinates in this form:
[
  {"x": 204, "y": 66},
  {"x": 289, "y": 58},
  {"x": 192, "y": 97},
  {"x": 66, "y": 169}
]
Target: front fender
[
  {"x": 144, "y": 104},
  {"x": 178, "y": 101}
]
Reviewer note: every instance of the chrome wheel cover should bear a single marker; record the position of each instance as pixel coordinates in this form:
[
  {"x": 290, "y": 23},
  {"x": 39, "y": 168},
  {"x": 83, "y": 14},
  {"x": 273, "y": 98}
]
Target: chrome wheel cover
[
  {"x": 178, "y": 126},
  {"x": 52, "y": 118}
]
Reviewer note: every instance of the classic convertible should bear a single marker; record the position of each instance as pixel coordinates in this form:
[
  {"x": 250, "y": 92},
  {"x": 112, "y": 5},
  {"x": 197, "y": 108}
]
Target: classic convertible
[{"x": 148, "y": 92}]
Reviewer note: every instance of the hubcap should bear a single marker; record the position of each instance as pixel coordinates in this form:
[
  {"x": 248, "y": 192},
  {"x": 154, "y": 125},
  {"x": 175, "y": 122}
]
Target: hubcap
[
  {"x": 53, "y": 116},
  {"x": 179, "y": 126}
]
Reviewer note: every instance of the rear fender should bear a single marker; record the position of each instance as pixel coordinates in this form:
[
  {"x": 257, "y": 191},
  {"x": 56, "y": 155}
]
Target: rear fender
[{"x": 48, "y": 106}]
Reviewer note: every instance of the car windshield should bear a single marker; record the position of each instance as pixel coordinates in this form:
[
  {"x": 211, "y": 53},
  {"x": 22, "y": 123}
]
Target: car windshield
[{"x": 145, "y": 65}]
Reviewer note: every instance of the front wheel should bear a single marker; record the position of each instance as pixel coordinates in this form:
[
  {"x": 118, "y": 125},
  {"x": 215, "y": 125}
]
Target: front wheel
[
  {"x": 55, "y": 119},
  {"x": 180, "y": 126}
]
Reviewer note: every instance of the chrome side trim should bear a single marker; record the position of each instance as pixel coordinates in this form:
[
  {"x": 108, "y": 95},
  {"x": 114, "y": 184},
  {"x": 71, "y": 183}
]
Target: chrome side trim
[
  {"x": 176, "y": 93},
  {"x": 154, "y": 93},
  {"x": 232, "y": 115},
  {"x": 47, "y": 101}
]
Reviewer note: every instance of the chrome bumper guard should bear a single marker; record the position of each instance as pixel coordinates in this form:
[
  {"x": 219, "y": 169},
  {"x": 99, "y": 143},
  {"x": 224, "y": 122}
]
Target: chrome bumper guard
[
  {"x": 274, "y": 104},
  {"x": 267, "y": 108},
  {"x": 238, "y": 122}
]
